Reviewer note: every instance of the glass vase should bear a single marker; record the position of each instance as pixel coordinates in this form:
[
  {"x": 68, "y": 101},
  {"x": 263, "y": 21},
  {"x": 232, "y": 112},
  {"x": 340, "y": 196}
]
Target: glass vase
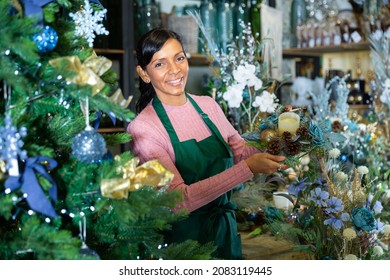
[
  {"x": 255, "y": 18},
  {"x": 150, "y": 15},
  {"x": 208, "y": 14},
  {"x": 225, "y": 24},
  {"x": 297, "y": 20}
]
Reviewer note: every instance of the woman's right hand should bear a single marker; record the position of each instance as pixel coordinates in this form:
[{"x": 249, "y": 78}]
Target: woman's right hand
[{"x": 265, "y": 163}]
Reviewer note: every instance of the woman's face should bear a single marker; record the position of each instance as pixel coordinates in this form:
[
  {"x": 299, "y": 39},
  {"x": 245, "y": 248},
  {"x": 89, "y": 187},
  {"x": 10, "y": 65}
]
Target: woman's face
[{"x": 168, "y": 71}]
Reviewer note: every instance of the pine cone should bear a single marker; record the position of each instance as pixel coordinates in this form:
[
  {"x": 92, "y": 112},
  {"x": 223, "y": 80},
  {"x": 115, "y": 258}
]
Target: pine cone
[
  {"x": 293, "y": 148},
  {"x": 274, "y": 147},
  {"x": 337, "y": 126},
  {"x": 286, "y": 136},
  {"x": 286, "y": 108},
  {"x": 303, "y": 133}
]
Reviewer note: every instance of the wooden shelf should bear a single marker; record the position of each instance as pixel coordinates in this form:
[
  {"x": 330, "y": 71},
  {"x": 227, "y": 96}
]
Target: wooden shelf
[
  {"x": 197, "y": 59},
  {"x": 111, "y": 130},
  {"x": 318, "y": 51},
  {"x": 109, "y": 51},
  {"x": 358, "y": 107}
]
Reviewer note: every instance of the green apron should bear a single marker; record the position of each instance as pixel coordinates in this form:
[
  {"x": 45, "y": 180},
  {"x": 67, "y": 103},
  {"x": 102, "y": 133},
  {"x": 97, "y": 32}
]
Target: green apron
[{"x": 216, "y": 221}]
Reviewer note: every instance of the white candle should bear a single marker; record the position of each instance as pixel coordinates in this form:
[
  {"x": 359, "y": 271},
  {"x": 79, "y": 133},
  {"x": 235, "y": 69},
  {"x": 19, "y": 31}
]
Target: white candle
[{"x": 288, "y": 121}]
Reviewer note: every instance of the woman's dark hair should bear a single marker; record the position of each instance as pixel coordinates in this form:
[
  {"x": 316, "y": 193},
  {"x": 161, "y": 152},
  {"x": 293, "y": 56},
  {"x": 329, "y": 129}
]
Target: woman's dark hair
[{"x": 150, "y": 43}]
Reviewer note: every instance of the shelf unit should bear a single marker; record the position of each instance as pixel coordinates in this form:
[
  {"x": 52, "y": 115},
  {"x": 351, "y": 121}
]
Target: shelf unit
[
  {"x": 321, "y": 50},
  {"x": 118, "y": 46}
]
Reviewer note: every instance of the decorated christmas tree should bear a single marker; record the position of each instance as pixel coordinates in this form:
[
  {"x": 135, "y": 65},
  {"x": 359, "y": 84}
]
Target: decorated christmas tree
[{"x": 63, "y": 195}]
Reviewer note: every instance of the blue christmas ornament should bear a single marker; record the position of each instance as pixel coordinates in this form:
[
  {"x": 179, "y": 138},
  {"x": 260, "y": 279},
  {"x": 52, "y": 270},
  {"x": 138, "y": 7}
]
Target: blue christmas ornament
[
  {"x": 46, "y": 40},
  {"x": 88, "y": 146}
]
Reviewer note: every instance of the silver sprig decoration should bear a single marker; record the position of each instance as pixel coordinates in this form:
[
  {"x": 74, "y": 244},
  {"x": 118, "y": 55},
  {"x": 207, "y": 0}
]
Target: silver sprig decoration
[
  {"x": 11, "y": 142},
  {"x": 380, "y": 57},
  {"x": 87, "y": 23},
  {"x": 341, "y": 108}
]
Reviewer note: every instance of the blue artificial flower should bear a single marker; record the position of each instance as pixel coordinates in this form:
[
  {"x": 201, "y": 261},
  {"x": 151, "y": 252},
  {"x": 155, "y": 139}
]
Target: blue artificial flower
[
  {"x": 304, "y": 220},
  {"x": 345, "y": 217},
  {"x": 335, "y": 222},
  {"x": 321, "y": 183},
  {"x": 319, "y": 196},
  {"x": 245, "y": 94},
  {"x": 352, "y": 126},
  {"x": 379, "y": 225},
  {"x": 263, "y": 126},
  {"x": 327, "y": 125},
  {"x": 316, "y": 134},
  {"x": 270, "y": 122},
  {"x": 217, "y": 83},
  {"x": 215, "y": 64},
  {"x": 377, "y": 207},
  {"x": 296, "y": 188},
  {"x": 363, "y": 219},
  {"x": 273, "y": 214},
  {"x": 334, "y": 205}
]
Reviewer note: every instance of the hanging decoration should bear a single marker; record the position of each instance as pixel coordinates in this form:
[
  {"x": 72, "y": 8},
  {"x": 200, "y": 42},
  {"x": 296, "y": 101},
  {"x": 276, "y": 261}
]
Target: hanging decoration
[
  {"x": 11, "y": 144},
  {"x": 87, "y": 23},
  {"x": 151, "y": 173},
  {"x": 46, "y": 40},
  {"x": 88, "y": 146},
  {"x": 85, "y": 250}
]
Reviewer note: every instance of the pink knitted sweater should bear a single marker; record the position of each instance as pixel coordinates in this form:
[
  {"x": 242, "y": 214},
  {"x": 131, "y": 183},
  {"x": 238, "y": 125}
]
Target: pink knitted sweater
[{"x": 150, "y": 141}]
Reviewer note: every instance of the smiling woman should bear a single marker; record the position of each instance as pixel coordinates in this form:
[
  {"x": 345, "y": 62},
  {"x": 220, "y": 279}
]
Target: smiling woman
[
  {"x": 190, "y": 135},
  {"x": 168, "y": 73}
]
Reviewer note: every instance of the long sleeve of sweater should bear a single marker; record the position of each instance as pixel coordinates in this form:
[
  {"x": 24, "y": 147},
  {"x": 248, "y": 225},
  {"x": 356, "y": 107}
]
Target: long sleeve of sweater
[{"x": 151, "y": 141}]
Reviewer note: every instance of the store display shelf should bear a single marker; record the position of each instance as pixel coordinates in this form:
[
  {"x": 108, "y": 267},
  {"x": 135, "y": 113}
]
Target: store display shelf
[{"x": 320, "y": 50}]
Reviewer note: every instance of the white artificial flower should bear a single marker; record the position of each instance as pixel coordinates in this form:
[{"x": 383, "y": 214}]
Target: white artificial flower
[
  {"x": 341, "y": 176},
  {"x": 233, "y": 96},
  {"x": 349, "y": 234},
  {"x": 387, "y": 33},
  {"x": 363, "y": 170},
  {"x": 255, "y": 82},
  {"x": 377, "y": 35},
  {"x": 334, "y": 153},
  {"x": 350, "y": 257},
  {"x": 305, "y": 160},
  {"x": 385, "y": 96},
  {"x": 377, "y": 251},
  {"x": 246, "y": 76},
  {"x": 242, "y": 72},
  {"x": 386, "y": 230},
  {"x": 265, "y": 102}
]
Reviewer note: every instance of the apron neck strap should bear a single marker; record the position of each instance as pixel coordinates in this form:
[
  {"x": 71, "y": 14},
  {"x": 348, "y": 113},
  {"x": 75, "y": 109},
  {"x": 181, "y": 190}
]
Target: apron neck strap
[
  {"x": 210, "y": 124},
  {"x": 162, "y": 114}
]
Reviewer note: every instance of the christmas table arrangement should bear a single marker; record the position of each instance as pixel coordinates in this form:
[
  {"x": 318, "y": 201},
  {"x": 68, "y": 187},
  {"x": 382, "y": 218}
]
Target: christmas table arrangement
[
  {"x": 335, "y": 206},
  {"x": 336, "y": 202}
]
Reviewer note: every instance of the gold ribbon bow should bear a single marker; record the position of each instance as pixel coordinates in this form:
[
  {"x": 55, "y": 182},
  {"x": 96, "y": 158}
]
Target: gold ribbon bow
[
  {"x": 88, "y": 72},
  {"x": 151, "y": 173},
  {"x": 117, "y": 98}
]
